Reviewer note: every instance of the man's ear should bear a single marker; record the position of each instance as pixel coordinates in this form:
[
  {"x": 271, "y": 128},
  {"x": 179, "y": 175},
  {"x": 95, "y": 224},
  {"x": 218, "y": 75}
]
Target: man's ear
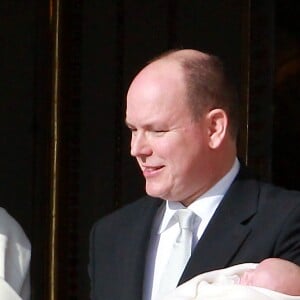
[{"x": 217, "y": 122}]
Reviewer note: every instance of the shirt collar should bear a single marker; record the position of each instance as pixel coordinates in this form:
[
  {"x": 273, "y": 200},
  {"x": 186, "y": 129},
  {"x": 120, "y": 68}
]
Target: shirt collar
[{"x": 202, "y": 208}]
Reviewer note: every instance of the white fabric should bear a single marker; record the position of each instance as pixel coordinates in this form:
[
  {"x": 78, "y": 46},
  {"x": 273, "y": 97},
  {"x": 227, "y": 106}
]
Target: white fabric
[
  {"x": 7, "y": 292},
  {"x": 164, "y": 231},
  {"x": 15, "y": 252},
  {"x": 222, "y": 285},
  {"x": 180, "y": 254}
]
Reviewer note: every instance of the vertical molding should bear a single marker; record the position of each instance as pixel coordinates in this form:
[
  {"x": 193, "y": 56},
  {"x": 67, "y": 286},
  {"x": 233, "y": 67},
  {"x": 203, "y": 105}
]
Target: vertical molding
[
  {"x": 243, "y": 142},
  {"x": 54, "y": 25},
  {"x": 66, "y": 98}
]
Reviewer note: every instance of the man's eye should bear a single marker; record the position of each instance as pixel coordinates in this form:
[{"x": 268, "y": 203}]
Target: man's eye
[
  {"x": 132, "y": 129},
  {"x": 159, "y": 132}
]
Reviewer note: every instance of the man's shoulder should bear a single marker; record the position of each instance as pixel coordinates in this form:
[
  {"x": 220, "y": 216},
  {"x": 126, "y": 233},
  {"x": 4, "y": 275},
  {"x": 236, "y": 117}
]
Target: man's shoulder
[
  {"x": 276, "y": 191},
  {"x": 265, "y": 190},
  {"x": 269, "y": 191},
  {"x": 279, "y": 199},
  {"x": 130, "y": 212}
]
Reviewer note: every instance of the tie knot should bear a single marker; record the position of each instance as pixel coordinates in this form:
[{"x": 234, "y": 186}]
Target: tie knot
[{"x": 185, "y": 218}]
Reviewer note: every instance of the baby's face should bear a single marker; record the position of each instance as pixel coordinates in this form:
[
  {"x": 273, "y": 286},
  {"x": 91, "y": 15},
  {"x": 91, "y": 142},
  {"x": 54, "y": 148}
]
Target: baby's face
[
  {"x": 257, "y": 277},
  {"x": 281, "y": 276},
  {"x": 248, "y": 277}
]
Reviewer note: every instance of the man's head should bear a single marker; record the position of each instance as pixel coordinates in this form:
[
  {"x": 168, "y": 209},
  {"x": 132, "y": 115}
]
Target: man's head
[
  {"x": 182, "y": 114},
  {"x": 208, "y": 85}
]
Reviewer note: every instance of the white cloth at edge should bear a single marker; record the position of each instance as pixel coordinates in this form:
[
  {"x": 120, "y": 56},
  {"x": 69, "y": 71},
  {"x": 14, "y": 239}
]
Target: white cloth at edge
[
  {"x": 15, "y": 254},
  {"x": 221, "y": 285}
]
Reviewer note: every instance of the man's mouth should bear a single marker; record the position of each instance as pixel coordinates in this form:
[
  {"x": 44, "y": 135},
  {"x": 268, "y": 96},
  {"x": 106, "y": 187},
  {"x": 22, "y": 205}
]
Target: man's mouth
[{"x": 149, "y": 171}]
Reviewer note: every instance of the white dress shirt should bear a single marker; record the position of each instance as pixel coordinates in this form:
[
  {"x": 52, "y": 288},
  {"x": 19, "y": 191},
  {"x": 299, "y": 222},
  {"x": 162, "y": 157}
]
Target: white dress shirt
[{"x": 165, "y": 231}]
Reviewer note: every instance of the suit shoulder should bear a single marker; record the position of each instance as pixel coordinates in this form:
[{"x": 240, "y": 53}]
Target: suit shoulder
[
  {"x": 129, "y": 212},
  {"x": 247, "y": 182},
  {"x": 279, "y": 194}
]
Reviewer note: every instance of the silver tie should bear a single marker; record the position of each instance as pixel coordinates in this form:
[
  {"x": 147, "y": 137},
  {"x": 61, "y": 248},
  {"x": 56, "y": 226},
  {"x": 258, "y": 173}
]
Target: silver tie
[{"x": 180, "y": 254}]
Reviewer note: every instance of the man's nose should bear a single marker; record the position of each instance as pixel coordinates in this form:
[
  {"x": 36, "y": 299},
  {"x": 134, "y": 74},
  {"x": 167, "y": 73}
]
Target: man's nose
[{"x": 140, "y": 144}]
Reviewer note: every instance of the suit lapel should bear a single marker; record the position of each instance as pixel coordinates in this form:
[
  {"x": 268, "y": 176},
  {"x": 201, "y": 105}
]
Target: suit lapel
[
  {"x": 135, "y": 248},
  {"x": 226, "y": 231}
]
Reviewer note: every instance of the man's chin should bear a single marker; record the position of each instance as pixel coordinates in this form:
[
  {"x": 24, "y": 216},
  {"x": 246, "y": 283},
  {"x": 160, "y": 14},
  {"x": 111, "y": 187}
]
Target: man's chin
[
  {"x": 155, "y": 192},
  {"x": 162, "y": 194}
]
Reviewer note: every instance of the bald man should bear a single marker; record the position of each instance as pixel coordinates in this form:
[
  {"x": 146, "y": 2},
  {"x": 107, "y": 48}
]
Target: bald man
[{"x": 183, "y": 114}]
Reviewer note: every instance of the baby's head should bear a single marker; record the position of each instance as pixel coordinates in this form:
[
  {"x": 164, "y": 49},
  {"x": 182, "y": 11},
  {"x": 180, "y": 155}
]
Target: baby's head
[{"x": 274, "y": 274}]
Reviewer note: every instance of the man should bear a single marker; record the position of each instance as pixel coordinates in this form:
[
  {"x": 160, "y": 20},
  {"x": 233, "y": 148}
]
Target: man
[{"x": 183, "y": 114}]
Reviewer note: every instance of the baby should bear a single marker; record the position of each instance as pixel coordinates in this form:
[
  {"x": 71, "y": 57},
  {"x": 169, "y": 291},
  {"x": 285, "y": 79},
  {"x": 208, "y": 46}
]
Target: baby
[
  {"x": 273, "y": 278},
  {"x": 274, "y": 274}
]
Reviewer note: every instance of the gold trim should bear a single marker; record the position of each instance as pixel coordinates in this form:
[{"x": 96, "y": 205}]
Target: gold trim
[{"x": 54, "y": 23}]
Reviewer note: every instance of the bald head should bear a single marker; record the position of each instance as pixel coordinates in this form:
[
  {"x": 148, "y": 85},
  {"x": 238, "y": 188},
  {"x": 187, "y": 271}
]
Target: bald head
[
  {"x": 182, "y": 54},
  {"x": 207, "y": 84}
]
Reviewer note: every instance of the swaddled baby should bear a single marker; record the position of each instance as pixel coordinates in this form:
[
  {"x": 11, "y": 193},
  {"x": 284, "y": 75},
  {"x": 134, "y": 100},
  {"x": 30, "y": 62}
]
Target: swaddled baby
[{"x": 273, "y": 278}]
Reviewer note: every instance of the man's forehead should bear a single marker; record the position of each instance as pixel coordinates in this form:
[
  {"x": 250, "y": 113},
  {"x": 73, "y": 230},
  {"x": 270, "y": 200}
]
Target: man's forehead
[{"x": 156, "y": 74}]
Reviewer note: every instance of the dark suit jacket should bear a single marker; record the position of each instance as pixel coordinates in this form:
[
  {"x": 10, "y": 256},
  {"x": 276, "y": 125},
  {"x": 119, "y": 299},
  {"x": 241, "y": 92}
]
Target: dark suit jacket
[{"x": 254, "y": 221}]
